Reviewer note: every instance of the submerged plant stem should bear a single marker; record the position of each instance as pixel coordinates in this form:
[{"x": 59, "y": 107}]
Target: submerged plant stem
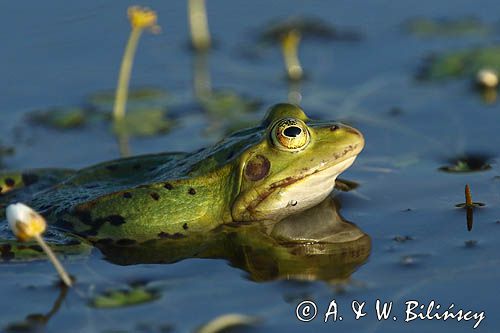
[
  {"x": 59, "y": 268},
  {"x": 198, "y": 24},
  {"x": 124, "y": 76}
]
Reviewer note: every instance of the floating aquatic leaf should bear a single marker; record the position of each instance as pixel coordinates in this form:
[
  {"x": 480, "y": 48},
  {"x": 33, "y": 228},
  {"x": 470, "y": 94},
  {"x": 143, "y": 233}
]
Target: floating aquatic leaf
[
  {"x": 224, "y": 103},
  {"x": 143, "y": 122},
  {"x": 62, "y": 117},
  {"x": 461, "y": 63},
  {"x": 64, "y": 246},
  {"x": 307, "y": 27},
  {"x": 427, "y": 27},
  {"x": 125, "y": 297},
  {"x": 142, "y": 98},
  {"x": 229, "y": 111},
  {"x": 5, "y": 150},
  {"x": 469, "y": 163}
]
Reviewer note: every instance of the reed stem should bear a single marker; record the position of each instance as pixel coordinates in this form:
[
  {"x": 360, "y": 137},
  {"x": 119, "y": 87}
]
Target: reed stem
[
  {"x": 198, "y": 24},
  {"x": 124, "y": 76},
  {"x": 290, "y": 46}
]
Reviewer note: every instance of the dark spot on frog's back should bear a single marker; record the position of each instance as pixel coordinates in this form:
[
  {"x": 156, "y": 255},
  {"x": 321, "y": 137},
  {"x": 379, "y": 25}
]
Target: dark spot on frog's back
[
  {"x": 185, "y": 226},
  {"x": 257, "y": 168},
  {"x": 10, "y": 182},
  {"x": 104, "y": 241},
  {"x": 29, "y": 178},
  {"x": 155, "y": 196},
  {"x": 168, "y": 186},
  {"x": 127, "y": 195},
  {"x": 115, "y": 220},
  {"x": 192, "y": 191},
  {"x": 83, "y": 215}
]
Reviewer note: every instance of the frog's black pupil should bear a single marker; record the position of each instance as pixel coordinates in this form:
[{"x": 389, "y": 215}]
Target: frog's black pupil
[{"x": 292, "y": 131}]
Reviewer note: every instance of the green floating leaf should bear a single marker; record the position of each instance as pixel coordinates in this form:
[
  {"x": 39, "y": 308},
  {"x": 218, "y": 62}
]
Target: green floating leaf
[
  {"x": 63, "y": 245},
  {"x": 307, "y": 27},
  {"x": 228, "y": 103},
  {"x": 60, "y": 117},
  {"x": 467, "y": 164},
  {"x": 462, "y": 63},
  {"x": 138, "y": 98},
  {"x": 5, "y": 151},
  {"x": 143, "y": 122},
  {"x": 229, "y": 111},
  {"x": 124, "y": 297},
  {"x": 426, "y": 27}
]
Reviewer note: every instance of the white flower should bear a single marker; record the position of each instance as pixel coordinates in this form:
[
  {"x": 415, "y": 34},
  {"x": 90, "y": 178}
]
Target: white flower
[
  {"x": 25, "y": 222},
  {"x": 487, "y": 78}
]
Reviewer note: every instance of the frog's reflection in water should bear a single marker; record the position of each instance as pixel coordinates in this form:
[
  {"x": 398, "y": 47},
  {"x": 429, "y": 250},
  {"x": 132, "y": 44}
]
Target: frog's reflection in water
[{"x": 317, "y": 244}]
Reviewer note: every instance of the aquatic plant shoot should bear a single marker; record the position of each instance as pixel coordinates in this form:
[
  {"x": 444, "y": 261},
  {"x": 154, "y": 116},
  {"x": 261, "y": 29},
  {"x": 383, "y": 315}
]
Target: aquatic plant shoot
[
  {"x": 140, "y": 19},
  {"x": 27, "y": 224}
]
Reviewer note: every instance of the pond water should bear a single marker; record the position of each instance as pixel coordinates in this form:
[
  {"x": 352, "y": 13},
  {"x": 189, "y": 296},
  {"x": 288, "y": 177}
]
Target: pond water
[{"x": 57, "y": 54}]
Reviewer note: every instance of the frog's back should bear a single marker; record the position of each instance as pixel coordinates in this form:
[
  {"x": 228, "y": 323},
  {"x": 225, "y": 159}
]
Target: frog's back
[{"x": 166, "y": 195}]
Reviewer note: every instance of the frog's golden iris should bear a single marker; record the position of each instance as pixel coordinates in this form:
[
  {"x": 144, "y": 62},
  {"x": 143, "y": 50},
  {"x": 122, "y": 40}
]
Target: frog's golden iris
[{"x": 290, "y": 134}]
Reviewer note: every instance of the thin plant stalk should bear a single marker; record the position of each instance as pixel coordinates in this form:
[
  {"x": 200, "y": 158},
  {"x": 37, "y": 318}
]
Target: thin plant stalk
[
  {"x": 124, "y": 76},
  {"x": 290, "y": 46},
  {"x": 198, "y": 24},
  {"x": 57, "y": 264}
]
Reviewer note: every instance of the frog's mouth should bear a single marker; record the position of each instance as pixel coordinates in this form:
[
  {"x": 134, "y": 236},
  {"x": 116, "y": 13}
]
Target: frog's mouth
[{"x": 295, "y": 194}]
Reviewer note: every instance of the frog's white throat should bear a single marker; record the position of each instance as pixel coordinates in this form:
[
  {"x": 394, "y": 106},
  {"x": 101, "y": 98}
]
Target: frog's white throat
[{"x": 303, "y": 194}]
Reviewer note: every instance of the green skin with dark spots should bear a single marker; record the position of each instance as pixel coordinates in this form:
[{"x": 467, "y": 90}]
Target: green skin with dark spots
[{"x": 173, "y": 195}]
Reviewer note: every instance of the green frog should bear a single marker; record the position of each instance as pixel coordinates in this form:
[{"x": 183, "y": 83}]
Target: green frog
[{"x": 283, "y": 166}]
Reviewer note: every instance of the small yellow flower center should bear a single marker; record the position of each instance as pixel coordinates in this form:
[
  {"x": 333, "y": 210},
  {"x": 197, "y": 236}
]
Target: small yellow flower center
[
  {"x": 29, "y": 229},
  {"x": 142, "y": 18}
]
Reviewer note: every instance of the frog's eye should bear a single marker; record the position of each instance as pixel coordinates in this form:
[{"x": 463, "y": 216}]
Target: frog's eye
[{"x": 290, "y": 134}]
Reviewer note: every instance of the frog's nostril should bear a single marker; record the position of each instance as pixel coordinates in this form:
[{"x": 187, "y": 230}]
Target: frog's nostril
[{"x": 334, "y": 128}]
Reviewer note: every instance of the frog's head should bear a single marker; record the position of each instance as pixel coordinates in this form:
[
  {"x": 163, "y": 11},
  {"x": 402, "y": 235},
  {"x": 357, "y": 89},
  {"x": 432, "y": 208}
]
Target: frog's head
[{"x": 294, "y": 166}]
